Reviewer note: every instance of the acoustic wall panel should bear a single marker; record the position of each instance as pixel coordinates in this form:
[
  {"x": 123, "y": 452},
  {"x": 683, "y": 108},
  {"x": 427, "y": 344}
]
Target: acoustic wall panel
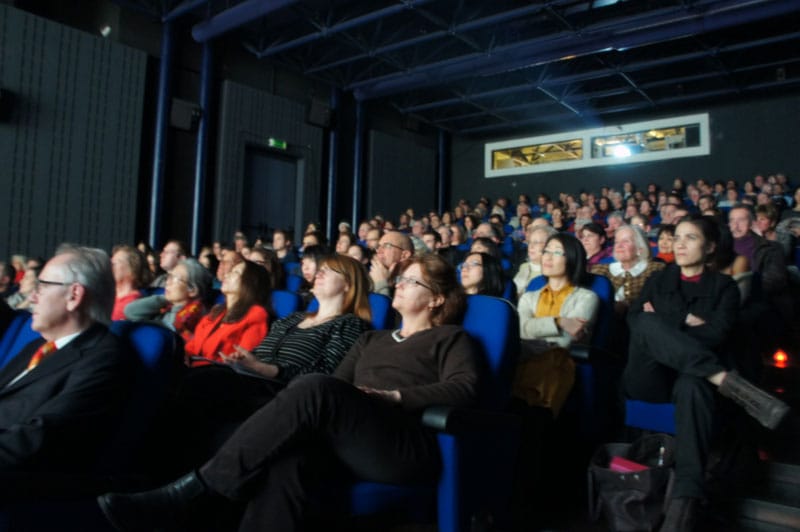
[{"x": 69, "y": 150}]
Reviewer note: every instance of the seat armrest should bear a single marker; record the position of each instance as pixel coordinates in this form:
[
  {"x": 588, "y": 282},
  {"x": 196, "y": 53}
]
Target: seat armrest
[{"x": 454, "y": 420}]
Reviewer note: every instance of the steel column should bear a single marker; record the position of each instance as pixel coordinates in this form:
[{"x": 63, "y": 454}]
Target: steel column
[
  {"x": 358, "y": 164},
  {"x": 162, "y": 125},
  {"x": 443, "y": 167},
  {"x": 201, "y": 155},
  {"x": 333, "y": 162}
]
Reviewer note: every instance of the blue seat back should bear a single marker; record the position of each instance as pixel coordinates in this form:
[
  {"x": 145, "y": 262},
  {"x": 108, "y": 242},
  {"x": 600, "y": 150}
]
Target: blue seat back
[
  {"x": 383, "y": 315},
  {"x": 657, "y": 417},
  {"x": 285, "y": 302},
  {"x": 18, "y": 335},
  {"x": 293, "y": 282},
  {"x": 155, "y": 346},
  {"x": 494, "y": 323},
  {"x": 292, "y": 268},
  {"x": 313, "y": 305},
  {"x": 601, "y": 286},
  {"x": 537, "y": 283}
]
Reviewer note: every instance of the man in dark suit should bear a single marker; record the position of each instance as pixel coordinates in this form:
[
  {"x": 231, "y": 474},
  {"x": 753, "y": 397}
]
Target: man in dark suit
[{"x": 59, "y": 406}]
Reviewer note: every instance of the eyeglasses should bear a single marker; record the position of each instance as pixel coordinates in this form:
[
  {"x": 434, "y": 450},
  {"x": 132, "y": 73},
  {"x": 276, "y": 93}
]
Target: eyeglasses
[
  {"x": 400, "y": 279},
  {"x": 42, "y": 282},
  {"x": 389, "y": 245},
  {"x": 471, "y": 264},
  {"x": 553, "y": 252},
  {"x": 172, "y": 278}
]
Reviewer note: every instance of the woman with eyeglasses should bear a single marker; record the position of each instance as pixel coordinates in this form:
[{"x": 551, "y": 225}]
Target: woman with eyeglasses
[
  {"x": 242, "y": 320},
  {"x": 181, "y": 307},
  {"x": 562, "y": 312},
  {"x": 482, "y": 273},
  {"x": 363, "y": 422}
]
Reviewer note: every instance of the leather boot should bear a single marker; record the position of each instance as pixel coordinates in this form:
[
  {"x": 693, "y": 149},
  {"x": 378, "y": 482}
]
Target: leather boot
[
  {"x": 765, "y": 408},
  {"x": 150, "y": 510},
  {"x": 681, "y": 515}
]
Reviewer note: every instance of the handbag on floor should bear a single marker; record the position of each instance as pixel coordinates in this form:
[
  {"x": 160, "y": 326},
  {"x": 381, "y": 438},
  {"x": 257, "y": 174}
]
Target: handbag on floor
[{"x": 629, "y": 482}]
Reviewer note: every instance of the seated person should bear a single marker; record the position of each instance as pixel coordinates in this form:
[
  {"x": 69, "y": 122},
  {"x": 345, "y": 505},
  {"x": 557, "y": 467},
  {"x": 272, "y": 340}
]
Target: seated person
[
  {"x": 563, "y": 311},
  {"x": 6, "y": 316},
  {"x": 181, "y": 307},
  {"x": 481, "y": 273},
  {"x": 62, "y": 396},
  {"x": 282, "y": 246},
  {"x": 537, "y": 236},
  {"x": 666, "y": 234},
  {"x": 241, "y": 321},
  {"x": 268, "y": 260},
  {"x": 394, "y": 247},
  {"x": 364, "y": 420},
  {"x": 309, "y": 264},
  {"x": 129, "y": 267},
  {"x": 678, "y": 324},
  {"x": 631, "y": 267},
  {"x": 20, "y": 300},
  {"x": 7, "y": 276},
  {"x": 593, "y": 239}
]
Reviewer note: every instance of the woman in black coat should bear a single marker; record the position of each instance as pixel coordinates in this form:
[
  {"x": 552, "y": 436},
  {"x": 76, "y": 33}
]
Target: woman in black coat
[{"x": 678, "y": 325}]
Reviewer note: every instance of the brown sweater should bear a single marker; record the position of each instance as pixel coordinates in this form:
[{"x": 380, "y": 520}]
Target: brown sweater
[
  {"x": 633, "y": 284},
  {"x": 438, "y": 366}
]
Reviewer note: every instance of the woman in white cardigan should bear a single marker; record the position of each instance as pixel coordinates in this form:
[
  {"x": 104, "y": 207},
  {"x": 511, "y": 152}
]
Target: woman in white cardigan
[
  {"x": 551, "y": 319},
  {"x": 562, "y": 312}
]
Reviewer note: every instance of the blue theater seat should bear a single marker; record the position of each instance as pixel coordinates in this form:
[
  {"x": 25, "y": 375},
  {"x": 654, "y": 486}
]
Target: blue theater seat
[
  {"x": 478, "y": 447},
  {"x": 656, "y": 417},
  {"x": 285, "y": 302}
]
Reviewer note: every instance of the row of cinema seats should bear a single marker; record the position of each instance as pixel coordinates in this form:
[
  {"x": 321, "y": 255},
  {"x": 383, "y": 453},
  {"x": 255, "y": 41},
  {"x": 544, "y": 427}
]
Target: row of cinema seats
[{"x": 478, "y": 445}]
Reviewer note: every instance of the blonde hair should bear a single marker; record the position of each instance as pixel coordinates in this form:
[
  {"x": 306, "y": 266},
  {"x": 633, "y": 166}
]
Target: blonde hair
[{"x": 356, "y": 299}]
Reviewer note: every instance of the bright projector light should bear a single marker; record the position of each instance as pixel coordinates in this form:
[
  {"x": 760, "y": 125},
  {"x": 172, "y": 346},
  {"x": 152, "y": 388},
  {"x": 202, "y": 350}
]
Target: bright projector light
[{"x": 621, "y": 151}]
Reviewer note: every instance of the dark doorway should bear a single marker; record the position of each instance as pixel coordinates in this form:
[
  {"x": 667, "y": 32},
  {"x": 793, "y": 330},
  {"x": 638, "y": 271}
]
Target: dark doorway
[{"x": 272, "y": 188}]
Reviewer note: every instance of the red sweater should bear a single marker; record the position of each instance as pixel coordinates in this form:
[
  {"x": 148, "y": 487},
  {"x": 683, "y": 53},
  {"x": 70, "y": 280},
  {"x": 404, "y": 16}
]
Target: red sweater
[{"x": 211, "y": 336}]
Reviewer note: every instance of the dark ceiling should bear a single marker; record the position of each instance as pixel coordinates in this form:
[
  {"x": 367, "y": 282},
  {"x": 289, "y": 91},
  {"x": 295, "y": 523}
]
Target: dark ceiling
[{"x": 496, "y": 67}]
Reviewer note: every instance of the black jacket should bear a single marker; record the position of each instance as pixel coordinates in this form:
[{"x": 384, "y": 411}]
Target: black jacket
[{"x": 62, "y": 412}]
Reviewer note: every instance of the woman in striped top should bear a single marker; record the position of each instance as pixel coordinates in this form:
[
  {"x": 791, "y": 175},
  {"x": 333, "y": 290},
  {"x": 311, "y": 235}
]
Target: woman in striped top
[{"x": 212, "y": 401}]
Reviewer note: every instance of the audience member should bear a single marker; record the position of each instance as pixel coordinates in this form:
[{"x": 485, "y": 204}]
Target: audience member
[
  {"x": 394, "y": 247},
  {"x": 182, "y": 305},
  {"x": 173, "y": 252},
  {"x": 678, "y": 325},
  {"x": 482, "y": 273},
  {"x": 537, "y": 237},
  {"x": 129, "y": 268},
  {"x": 20, "y": 299},
  {"x": 593, "y": 239},
  {"x": 763, "y": 256},
  {"x": 268, "y": 260},
  {"x": 282, "y": 246},
  {"x": 241, "y": 321},
  {"x": 62, "y": 395},
  {"x": 7, "y": 276}
]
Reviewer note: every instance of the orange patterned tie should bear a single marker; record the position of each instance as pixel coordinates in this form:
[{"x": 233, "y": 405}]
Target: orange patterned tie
[{"x": 45, "y": 350}]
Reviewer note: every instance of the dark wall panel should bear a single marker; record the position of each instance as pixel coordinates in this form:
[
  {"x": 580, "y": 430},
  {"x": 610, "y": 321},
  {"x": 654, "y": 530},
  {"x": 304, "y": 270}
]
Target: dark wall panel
[
  {"x": 70, "y": 147},
  {"x": 746, "y": 139},
  {"x": 250, "y": 117},
  {"x": 402, "y": 174}
]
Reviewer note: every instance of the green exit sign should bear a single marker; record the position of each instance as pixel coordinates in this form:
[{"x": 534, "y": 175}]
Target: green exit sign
[{"x": 279, "y": 144}]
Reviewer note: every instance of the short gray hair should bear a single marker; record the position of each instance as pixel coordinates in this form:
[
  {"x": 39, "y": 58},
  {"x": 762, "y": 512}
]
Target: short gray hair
[
  {"x": 91, "y": 268},
  {"x": 198, "y": 277}
]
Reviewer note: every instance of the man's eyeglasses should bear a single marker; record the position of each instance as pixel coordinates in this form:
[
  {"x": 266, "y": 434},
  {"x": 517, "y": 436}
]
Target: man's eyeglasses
[
  {"x": 400, "y": 279},
  {"x": 42, "y": 282},
  {"x": 553, "y": 252},
  {"x": 389, "y": 245}
]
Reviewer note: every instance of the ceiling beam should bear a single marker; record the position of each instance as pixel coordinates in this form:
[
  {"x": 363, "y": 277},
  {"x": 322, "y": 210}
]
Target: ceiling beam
[
  {"x": 631, "y": 32},
  {"x": 236, "y": 16}
]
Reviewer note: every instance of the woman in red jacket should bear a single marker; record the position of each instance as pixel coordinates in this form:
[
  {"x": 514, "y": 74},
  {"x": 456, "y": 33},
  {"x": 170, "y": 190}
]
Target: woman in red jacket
[{"x": 241, "y": 321}]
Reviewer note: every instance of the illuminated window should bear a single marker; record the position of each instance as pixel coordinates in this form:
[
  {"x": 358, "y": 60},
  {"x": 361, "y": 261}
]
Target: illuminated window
[
  {"x": 551, "y": 152},
  {"x": 683, "y": 136}
]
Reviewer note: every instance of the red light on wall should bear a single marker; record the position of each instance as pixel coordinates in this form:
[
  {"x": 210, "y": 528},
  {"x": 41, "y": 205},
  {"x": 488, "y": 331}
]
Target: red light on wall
[{"x": 780, "y": 358}]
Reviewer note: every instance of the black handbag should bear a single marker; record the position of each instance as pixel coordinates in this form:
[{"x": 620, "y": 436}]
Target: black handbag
[{"x": 632, "y": 500}]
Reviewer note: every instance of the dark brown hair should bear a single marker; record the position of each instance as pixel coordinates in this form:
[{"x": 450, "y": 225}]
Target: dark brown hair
[{"x": 440, "y": 276}]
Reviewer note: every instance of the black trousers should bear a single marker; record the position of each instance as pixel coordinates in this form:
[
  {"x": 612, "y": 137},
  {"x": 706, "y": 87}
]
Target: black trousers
[
  {"x": 666, "y": 364},
  {"x": 270, "y": 461}
]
